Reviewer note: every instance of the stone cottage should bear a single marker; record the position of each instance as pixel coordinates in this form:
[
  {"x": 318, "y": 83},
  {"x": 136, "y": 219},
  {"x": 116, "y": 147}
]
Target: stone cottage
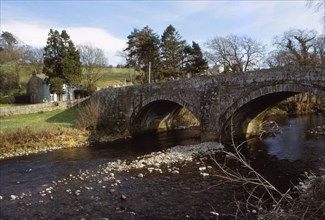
[{"x": 39, "y": 90}]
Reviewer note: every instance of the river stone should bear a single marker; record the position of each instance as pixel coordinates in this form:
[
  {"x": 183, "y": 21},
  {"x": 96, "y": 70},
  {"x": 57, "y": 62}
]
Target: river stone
[
  {"x": 202, "y": 168},
  {"x": 204, "y": 174},
  {"x": 77, "y": 192},
  {"x": 214, "y": 213},
  {"x": 13, "y": 197}
]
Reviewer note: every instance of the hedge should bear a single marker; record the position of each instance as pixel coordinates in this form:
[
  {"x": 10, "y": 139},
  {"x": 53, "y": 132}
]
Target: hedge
[{"x": 7, "y": 99}]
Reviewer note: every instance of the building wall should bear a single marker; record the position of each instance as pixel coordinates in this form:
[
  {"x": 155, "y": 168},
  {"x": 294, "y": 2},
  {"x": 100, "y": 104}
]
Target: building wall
[{"x": 38, "y": 90}]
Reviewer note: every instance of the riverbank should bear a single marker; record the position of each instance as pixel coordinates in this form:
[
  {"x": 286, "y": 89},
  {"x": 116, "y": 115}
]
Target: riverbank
[
  {"x": 26, "y": 141},
  {"x": 264, "y": 125},
  {"x": 119, "y": 190},
  {"x": 181, "y": 182}
]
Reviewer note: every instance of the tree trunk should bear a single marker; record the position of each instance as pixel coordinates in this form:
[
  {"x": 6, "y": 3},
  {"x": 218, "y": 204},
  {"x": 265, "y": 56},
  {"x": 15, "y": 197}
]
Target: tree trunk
[{"x": 70, "y": 93}]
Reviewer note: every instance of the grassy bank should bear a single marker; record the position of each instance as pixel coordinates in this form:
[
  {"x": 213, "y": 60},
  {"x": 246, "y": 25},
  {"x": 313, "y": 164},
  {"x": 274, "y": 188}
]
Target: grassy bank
[
  {"x": 40, "y": 121},
  {"x": 39, "y": 132},
  {"x": 115, "y": 76}
]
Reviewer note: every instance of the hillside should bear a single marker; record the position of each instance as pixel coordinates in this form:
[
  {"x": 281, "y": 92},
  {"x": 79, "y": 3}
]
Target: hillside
[{"x": 110, "y": 76}]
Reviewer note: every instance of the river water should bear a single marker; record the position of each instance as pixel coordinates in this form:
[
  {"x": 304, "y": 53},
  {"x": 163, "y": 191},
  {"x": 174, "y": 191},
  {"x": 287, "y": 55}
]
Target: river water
[{"x": 282, "y": 159}]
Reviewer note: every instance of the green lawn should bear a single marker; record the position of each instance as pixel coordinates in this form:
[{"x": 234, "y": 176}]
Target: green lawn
[
  {"x": 39, "y": 121},
  {"x": 113, "y": 76},
  {"x": 10, "y": 105}
]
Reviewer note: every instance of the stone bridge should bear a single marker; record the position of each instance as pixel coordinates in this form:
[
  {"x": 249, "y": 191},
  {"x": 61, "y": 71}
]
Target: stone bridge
[{"x": 223, "y": 104}]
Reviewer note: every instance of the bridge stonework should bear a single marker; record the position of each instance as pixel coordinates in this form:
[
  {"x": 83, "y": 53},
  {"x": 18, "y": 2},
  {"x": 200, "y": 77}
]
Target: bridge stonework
[{"x": 223, "y": 104}]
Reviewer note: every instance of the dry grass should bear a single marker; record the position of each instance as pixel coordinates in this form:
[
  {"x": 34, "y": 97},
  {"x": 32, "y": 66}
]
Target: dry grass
[
  {"x": 265, "y": 201},
  {"x": 90, "y": 115},
  {"x": 22, "y": 141}
]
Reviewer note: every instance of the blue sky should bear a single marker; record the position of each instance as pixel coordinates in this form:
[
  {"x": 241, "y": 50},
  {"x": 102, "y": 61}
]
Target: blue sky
[{"x": 106, "y": 24}]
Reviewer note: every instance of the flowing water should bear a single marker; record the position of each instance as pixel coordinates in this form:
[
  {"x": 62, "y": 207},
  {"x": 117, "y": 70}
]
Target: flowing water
[{"x": 282, "y": 159}]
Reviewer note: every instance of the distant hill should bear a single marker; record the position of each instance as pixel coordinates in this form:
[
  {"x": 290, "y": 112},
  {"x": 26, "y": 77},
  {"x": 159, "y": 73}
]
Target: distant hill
[{"x": 111, "y": 76}]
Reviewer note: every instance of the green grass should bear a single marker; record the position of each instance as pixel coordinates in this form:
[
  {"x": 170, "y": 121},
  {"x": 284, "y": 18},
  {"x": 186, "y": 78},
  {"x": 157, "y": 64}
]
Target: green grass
[
  {"x": 25, "y": 72},
  {"x": 56, "y": 119},
  {"x": 39, "y": 121},
  {"x": 113, "y": 76},
  {"x": 10, "y": 105}
]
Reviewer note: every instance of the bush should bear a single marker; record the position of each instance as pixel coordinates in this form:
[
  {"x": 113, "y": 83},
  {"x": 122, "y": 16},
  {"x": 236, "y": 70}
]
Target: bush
[
  {"x": 7, "y": 100},
  {"x": 90, "y": 115}
]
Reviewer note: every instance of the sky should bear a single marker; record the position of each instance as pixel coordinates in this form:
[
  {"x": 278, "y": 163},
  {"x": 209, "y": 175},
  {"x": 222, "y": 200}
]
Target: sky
[{"x": 106, "y": 23}]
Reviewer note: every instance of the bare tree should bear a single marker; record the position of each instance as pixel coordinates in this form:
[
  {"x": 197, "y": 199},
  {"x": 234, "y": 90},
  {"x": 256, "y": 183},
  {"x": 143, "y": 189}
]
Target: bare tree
[
  {"x": 298, "y": 47},
  {"x": 34, "y": 57},
  {"x": 93, "y": 60},
  {"x": 234, "y": 53}
]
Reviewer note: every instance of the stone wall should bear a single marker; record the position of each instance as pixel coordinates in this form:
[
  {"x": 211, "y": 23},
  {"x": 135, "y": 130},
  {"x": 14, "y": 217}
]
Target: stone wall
[
  {"x": 223, "y": 104},
  {"x": 36, "y": 108}
]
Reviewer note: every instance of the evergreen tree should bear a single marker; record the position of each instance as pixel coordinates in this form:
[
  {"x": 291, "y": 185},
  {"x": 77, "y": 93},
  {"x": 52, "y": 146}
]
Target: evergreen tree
[
  {"x": 172, "y": 47},
  {"x": 56, "y": 86},
  {"x": 195, "y": 64},
  {"x": 142, "y": 49},
  {"x": 62, "y": 59}
]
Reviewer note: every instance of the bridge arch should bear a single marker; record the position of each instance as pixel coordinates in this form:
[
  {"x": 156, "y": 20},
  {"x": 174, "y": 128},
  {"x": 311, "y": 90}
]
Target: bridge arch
[
  {"x": 234, "y": 121},
  {"x": 147, "y": 117}
]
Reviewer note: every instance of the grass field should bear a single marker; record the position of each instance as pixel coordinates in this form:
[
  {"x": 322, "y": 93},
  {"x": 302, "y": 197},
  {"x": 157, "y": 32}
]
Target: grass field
[
  {"x": 10, "y": 105},
  {"x": 40, "y": 121},
  {"x": 116, "y": 76}
]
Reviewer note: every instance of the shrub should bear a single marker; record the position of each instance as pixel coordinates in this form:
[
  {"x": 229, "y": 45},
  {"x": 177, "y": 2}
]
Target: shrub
[
  {"x": 90, "y": 115},
  {"x": 7, "y": 100}
]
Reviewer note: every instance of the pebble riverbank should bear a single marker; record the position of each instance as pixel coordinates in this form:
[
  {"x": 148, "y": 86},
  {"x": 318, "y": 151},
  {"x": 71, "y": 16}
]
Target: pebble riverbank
[
  {"x": 318, "y": 130},
  {"x": 109, "y": 185},
  {"x": 148, "y": 163}
]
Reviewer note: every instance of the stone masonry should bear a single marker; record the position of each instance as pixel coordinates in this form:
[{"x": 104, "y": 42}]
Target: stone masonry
[{"x": 223, "y": 104}]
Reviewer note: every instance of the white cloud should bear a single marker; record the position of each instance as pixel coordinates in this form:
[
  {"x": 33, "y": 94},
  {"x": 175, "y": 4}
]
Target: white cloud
[
  {"x": 35, "y": 34},
  {"x": 98, "y": 38}
]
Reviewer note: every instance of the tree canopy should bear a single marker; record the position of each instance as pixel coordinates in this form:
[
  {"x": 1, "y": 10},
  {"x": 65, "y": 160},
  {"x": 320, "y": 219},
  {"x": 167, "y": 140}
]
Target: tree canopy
[
  {"x": 172, "y": 52},
  {"x": 62, "y": 59},
  {"x": 194, "y": 62},
  {"x": 13, "y": 54},
  {"x": 298, "y": 47},
  {"x": 142, "y": 49},
  {"x": 169, "y": 55},
  {"x": 235, "y": 53},
  {"x": 93, "y": 60}
]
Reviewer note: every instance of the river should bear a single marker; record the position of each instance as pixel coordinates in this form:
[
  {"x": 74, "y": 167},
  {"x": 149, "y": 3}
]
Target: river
[{"x": 53, "y": 184}]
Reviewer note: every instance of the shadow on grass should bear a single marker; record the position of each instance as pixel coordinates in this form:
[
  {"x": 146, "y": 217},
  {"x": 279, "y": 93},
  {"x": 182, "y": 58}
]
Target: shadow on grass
[{"x": 68, "y": 116}]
